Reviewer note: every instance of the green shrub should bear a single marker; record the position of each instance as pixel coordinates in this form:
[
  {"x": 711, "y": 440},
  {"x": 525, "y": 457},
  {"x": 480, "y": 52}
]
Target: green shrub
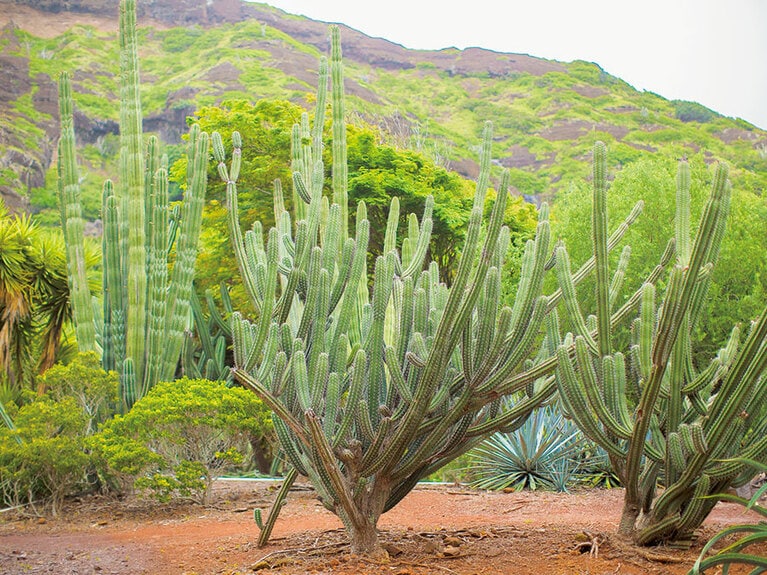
[
  {"x": 179, "y": 437},
  {"x": 43, "y": 459},
  {"x": 93, "y": 389}
]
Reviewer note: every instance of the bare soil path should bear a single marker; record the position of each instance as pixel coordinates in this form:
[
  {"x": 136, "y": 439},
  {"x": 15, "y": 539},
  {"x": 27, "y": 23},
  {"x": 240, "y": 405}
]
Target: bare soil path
[{"x": 435, "y": 530}]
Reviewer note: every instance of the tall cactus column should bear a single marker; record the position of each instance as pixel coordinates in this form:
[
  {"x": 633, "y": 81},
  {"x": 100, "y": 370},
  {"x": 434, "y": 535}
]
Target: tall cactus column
[{"x": 146, "y": 309}]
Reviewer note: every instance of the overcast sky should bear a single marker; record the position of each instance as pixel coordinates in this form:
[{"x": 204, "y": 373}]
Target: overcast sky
[{"x": 708, "y": 51}]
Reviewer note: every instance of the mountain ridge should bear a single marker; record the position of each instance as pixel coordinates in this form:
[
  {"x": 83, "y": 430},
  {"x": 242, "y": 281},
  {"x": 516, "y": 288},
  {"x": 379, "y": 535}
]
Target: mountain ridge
[{"x": 243, "y": 49}]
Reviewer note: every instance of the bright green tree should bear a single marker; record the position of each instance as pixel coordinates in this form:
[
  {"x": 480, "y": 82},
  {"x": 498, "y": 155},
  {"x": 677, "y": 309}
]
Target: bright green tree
[{"x": 266, "y": 129}]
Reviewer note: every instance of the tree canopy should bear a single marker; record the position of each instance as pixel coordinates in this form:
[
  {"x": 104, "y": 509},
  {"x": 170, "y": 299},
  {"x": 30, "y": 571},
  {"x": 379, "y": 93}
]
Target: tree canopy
[{"x": 377, "y": 172}]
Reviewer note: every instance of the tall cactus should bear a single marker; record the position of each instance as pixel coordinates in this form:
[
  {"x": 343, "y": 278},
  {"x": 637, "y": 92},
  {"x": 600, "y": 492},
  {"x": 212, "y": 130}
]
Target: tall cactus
[
  {"x": 688, "y": 422},
  {"x": 145, "y": 310},
  {"x": 374, "y": 392}
]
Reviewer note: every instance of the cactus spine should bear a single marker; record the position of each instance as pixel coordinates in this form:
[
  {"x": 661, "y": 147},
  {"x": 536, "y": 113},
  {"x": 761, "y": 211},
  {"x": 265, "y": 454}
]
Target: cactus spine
[
  {"x": 688, "y": 423},
  {"x": 145, "y": 311}
]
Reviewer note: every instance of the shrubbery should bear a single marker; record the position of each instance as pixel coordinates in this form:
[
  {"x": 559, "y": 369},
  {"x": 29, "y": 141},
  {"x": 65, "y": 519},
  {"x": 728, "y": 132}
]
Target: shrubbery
[
  {"x": 173, "y": 443},
  {"x": 43, "y": 459},
  {"x": 179, "y": 437}
]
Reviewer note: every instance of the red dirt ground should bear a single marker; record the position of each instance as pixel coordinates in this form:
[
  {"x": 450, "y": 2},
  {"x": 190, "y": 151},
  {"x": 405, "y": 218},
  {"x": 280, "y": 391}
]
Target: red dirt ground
[{"x": 435, "y": 530}]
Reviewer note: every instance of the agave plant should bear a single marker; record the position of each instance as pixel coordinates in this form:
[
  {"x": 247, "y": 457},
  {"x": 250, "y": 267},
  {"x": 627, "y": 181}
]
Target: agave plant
[
  {"x": 541, "y": 453},
  {"x": 751, "y": 535}
]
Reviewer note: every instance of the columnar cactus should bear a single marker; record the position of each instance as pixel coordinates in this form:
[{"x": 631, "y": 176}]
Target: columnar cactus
[
  {"x": 688, "y": 422},
  {"x": 145, "y": 310},
  {"x": 372, "y": 393}
]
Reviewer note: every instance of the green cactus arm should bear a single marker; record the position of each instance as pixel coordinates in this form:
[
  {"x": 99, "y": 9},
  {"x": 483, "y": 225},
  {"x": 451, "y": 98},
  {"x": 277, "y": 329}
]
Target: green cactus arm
[
  {"x": 614, "y": 369},
  {"x": 269, "y": 357},
  {"x": 340, "y": 173},
  {"x": 332, "y": 402},
  {"x": 619, "y": 276},
  {"x": 356, "y": 276},
  {"x": 329, "y": 465},
  {"x": 265, "y": 315},
  {"x": 594, "y": 392},
  {"x": 613, "y": 240},
  {"x": 132, "y": 182},
  {"x": 72, "y": 222},
  {"x": 319, "y": 108},
  {"x": 157, "y": 267},
  {"x": 266, "y": 527},
  {"x": 392, "y": 222},
  {"x": 274, "y": 404},
  {"x": 178, "y": 313},
  {"x": 114, "y": 297},
  {"x": 517, "y": 413},
  {"x": 573, "y": 394},
  {"x": 415, "y": 263},
  {"x": 235, "y": 231},
  {"x": 374, "y": 344},
  {"x": 599, "y": 242},
  {"x": 501, "y": 374},
  {"x": 743, "y": 377},
  {"x": 290, "y": 447},
  {"x": 395, "y": 372},
  {"x": 354, "y": 396},
  {"x": 564, "y": 276},
  {"x": 128, "y": 384}
]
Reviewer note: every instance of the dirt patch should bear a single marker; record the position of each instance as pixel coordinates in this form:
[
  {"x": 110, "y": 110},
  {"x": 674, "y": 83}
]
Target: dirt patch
[{"x": 434, "y": 530}]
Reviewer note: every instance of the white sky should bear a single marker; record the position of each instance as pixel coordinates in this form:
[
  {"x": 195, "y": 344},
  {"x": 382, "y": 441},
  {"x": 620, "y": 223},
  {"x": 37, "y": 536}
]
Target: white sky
[{"x": 709, "y": 51}]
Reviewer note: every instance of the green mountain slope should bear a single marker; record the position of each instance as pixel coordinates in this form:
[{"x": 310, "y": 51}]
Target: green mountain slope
[{"x": 547, "y": 114}]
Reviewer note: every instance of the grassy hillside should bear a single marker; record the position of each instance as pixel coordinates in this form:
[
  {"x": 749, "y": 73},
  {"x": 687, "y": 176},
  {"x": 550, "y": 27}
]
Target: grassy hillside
[{"x": 547, "y": 114}]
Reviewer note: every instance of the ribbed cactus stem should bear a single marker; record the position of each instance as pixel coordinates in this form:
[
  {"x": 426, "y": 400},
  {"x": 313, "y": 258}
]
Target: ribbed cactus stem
[
  {"x": 145, "y": 316},
  {"x": 132, "y": 183},
  {"x": 72, "y": 222},
  {"x": 340, "y": 169},
  {"x": 599, "y": 240}
]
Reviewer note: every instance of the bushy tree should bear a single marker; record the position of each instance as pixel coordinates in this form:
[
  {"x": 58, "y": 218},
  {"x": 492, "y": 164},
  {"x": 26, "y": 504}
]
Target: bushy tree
[
  {"x": 180, "y": 436},
  {"x": 43, "y": 458}
]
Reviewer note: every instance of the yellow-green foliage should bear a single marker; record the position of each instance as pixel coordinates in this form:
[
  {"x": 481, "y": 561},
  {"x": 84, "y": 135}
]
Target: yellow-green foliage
[
  {"x": 93, "y": 389},
  {"x": 180, "y": 436},
  {"x": 49, "y": 461}
]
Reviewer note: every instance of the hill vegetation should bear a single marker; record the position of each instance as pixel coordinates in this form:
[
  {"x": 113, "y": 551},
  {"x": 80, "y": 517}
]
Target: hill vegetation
[{"x": 547, "y": 114}]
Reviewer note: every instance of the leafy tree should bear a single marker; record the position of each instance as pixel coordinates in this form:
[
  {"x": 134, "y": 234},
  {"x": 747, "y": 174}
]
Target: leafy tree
[
  {"x": 43, "y": 458},
  {"x": 266, "y": 132},
  {"x": 378, "y": 172},
  {"x": 93, "y": 389}
]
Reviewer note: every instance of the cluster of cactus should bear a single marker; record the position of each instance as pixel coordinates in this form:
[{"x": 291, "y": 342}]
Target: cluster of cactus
[
  {"x": 688, "y": 422},
  {"x": 146, "y": 308},
  {"x": 373, "y": 393},
  {"x": 206, "y": 350}
]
